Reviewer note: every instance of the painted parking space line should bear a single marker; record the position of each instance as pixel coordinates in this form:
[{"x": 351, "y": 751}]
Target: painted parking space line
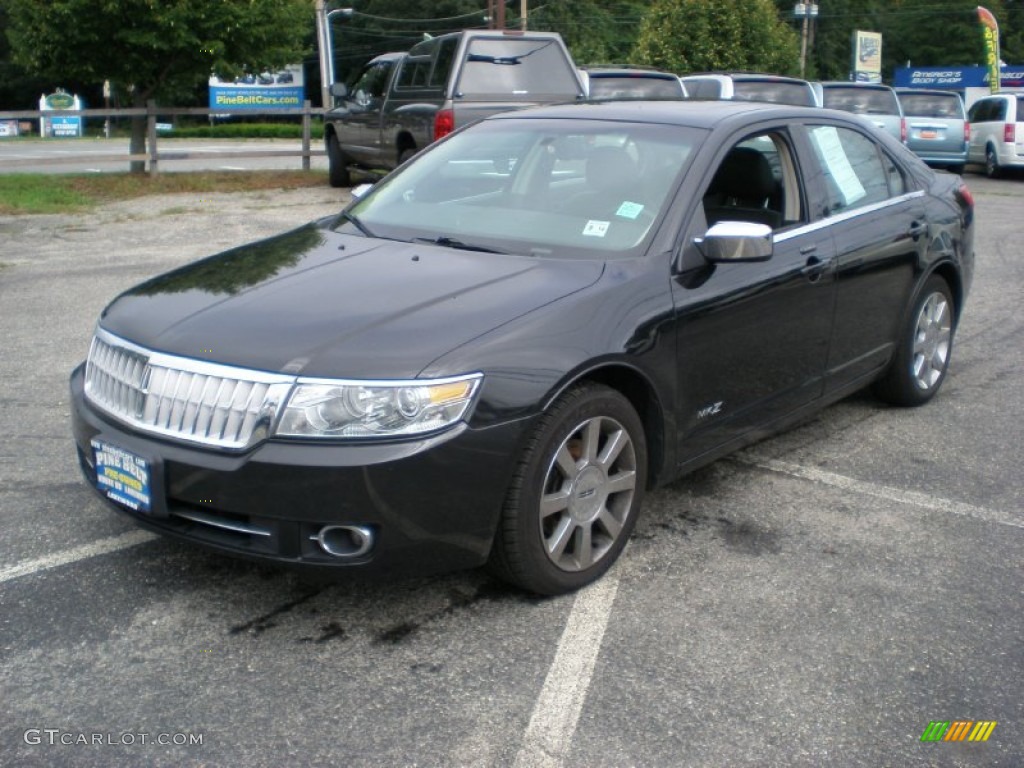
[
  {"x": 84, "y": 552},
  {"x": 557, "y": 711},
  {"x": 898, "y": 495}
]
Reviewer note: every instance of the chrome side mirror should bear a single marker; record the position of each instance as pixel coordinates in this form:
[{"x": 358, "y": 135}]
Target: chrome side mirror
[{"x": 736, "y": 241}]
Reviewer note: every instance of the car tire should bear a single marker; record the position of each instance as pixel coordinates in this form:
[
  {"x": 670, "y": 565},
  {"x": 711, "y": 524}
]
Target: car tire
[
  {"x": 992, "y": 169},
  {"x": 575, "y": 495},
  {"x": 925, "y": 347},
  {"x": 406, "y": 154},
  {"x": 337, "y": 164}
]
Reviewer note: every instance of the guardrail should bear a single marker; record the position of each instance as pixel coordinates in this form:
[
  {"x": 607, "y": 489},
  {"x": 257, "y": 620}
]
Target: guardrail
[{"x": 153, "y": 155}]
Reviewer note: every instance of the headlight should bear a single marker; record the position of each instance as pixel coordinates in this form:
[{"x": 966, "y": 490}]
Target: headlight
[{"x": 324, "y": 408}]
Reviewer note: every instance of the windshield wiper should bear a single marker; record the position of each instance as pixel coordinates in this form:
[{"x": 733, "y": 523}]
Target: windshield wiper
[
  {"x": 451, "y": 242},
  {"x": 352, "y": 218}
]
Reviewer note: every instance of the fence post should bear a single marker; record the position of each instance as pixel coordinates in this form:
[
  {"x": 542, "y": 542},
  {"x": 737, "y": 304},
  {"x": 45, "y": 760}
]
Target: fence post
[
  {"x": 154, "y": 162},
  {"x": 306, "y": 130}
]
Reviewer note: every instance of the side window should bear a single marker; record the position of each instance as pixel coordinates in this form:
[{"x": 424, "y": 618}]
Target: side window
[
  {"x": 414, "y": 72},
  {"x": 756, "y": 182},
  {"x": 853, "y": 169},
  {"x": 443, "y": 65},
  {"x": 372, "y": 82},
  {"x": 1000, "y": 110}
]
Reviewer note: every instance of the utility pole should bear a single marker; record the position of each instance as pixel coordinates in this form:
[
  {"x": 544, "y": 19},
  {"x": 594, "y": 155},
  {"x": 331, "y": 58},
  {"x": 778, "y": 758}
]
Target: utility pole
[
  {"x": 807, "y": 12},
  {"x": 522, "y": 15},
  {"x": 501, "y": 14},
  {"x": 323, "y": 45}
]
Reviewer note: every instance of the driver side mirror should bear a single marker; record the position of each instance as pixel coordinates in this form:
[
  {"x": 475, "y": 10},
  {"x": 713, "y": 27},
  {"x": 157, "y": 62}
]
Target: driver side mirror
[{"x": 736, "y": 241}]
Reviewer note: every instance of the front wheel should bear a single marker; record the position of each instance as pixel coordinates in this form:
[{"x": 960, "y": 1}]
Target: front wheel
[
  {"x": 575, "y": 495},
  {"x": 337, "y": 164},
  {"x": 922, "y": 358}
]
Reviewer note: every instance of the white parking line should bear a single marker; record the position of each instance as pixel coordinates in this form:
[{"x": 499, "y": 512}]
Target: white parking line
[
  {"x": 558, "y": 707},
  {"x": 84, "y": 552},
  {"x": 898, "y": 495}
]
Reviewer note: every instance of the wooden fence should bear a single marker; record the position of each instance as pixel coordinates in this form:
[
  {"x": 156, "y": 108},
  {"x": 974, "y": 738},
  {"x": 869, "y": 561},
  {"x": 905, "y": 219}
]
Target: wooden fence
[{"x": 153, "y": 156}]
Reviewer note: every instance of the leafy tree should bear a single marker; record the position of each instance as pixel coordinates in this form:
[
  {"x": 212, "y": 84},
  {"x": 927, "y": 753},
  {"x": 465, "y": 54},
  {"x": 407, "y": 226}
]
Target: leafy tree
[
  {"x": 697, "y": 35},
  {"x": 596, "y": 31},
  {"x": 155, "y": 48}
]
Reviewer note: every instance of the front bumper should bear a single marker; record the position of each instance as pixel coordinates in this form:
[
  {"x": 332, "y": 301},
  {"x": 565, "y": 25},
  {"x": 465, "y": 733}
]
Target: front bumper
[{"x": 432, "y": 504}]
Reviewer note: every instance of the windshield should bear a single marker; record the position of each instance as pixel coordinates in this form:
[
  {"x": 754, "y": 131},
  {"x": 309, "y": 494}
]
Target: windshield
[
  {"x": 539, "y": 187},
  {"x": 861, "y": 101},
  {"x": 776, "y": 92},
  {"x": 946, "y": 105},
  {"x": 635, "y": 87},
  {"x": 517, "y": 68}
]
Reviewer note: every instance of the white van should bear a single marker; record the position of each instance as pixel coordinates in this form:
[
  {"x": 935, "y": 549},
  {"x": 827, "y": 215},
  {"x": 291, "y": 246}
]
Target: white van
[{"x": 997, "y": 132}]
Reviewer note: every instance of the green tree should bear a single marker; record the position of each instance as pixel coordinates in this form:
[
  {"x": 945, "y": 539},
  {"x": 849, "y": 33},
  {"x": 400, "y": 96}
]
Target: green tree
[
  {"x": 596, "y": 31},
  {"x": 155, "y": 48},
  {"x": 698, "y": 35}
]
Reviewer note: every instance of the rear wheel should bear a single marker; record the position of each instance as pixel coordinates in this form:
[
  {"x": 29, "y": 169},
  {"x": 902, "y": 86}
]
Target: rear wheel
[
  {"x": 919, "y": 367},
  {"x": 337, "y": 164},
  {"x": 405, "y": 154},
  {"x": 991, "y": 163},
  {"x": 576, "y": 493}
]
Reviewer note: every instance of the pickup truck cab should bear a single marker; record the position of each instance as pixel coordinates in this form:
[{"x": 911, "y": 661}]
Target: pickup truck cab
[{"x": 401, "y": 102}]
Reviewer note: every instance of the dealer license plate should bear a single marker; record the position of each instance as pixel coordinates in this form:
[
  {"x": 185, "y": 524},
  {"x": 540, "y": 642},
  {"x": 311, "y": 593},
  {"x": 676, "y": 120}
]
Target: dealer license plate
[{"x": 123, "y": 476}]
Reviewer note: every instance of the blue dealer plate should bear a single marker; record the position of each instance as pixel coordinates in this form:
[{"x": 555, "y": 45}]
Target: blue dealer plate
[{"x": 123, "y": 476}]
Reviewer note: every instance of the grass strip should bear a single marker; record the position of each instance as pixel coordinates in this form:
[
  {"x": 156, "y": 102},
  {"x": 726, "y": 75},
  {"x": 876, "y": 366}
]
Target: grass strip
[{"x": 25, "y": 193}]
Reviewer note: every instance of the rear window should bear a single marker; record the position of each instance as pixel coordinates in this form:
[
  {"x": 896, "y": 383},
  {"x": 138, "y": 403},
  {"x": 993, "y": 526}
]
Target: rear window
[
  {"x": 861, "y": 101},
  {"x": 932, "y": 105},
  {"x": 516, "y": 69},
  {"x": 703, "y": 88},
  {"x": 775, "y": 92},
  {"x": 634, "y": 87}
]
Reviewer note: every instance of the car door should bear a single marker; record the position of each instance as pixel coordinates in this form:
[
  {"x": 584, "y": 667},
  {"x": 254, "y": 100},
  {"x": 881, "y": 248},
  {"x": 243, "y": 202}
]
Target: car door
[
  {"x": 877, "y": 221},
  {"x": 981, "y": 117},
  {"x": 752, "y": 338},
  {"x": 363, "y": 122}
]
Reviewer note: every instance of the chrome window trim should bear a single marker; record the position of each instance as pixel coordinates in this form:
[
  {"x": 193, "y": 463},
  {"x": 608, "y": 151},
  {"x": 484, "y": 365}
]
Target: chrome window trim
[{"x": 848, "y": 215}]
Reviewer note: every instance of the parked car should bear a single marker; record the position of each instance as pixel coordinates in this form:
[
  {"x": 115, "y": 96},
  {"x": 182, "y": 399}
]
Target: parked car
[
  {"x": 608, "y": 83},
  {"x": 491, "y": 355},
  {"x": 997, "y": 132},
  {"x": 401, "y": 102},
  {"x": 937, "y": 127},
  {"x": 876, "y": 102},
  {"x": 749, "y": 86}
]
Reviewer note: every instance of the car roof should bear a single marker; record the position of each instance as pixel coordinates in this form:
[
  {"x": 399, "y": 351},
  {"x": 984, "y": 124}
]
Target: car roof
[
  {"x": 759, "y": 76},
  {"x": 628, "y": 72},
  {"x": 696, "y": 114},
  {"x": 932, "y": 91},
  {"x": 848, "y": 84}
]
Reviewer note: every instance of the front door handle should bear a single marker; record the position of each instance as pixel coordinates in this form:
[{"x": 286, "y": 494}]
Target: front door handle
[
  {"x": 917, "y": 229},
  {"x": 814, "y": 268}
]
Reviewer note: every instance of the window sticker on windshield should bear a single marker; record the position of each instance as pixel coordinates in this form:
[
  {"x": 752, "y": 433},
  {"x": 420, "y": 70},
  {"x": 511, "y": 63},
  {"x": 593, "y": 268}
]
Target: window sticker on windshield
[
  {"x": 629, "y": 210},
  {"x": 596, "y": 228},
  {"x": 838, "y": 164}
]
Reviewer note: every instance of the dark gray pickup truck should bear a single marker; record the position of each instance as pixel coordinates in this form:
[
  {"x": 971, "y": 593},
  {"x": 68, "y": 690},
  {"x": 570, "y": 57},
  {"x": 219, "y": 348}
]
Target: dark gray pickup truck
[{"x": 401, "y": 102}]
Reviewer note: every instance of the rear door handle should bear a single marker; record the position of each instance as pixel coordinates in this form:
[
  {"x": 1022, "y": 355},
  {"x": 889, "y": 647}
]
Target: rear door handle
[{"x": 917, "y": 229}]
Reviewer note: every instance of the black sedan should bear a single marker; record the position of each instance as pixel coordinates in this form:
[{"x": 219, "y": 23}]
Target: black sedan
[{"x": 492, "y": 354}]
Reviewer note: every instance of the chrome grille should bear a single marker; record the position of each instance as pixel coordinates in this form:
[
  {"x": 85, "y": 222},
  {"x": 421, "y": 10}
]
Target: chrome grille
[{"x": 182, "y": 398}]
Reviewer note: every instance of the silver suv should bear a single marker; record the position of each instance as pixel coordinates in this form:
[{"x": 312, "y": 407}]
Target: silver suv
[
  {"x": 937, "y": 128},
  {"x": 750, "y": 86},
  {"x": 875, "y": 102},
  {"x": 997, "y": 132}
]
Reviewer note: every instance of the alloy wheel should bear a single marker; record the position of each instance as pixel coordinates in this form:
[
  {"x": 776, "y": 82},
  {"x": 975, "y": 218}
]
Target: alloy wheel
[{"x": 931, "y": 341}]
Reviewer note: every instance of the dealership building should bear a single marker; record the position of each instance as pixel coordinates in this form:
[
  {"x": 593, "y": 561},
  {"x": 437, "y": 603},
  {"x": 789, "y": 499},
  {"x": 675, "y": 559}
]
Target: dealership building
[{"x": 971, "y": 82}]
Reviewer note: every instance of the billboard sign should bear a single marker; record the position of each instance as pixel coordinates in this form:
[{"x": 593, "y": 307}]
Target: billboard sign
[
  {"x": 285, "y": 89},
  {"x": 867, "y": 57},
  {"x": 63, "y": 127}
]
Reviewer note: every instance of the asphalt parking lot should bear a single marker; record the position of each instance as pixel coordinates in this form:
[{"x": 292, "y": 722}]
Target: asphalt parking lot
[{"x": 818, "y": 599}]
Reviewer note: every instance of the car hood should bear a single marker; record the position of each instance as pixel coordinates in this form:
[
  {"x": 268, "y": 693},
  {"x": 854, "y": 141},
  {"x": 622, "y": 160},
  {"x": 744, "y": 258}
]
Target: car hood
[{"x": 318, "y": 303}]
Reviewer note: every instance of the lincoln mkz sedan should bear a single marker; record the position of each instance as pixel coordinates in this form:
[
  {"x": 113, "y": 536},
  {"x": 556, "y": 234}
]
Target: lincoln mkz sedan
[{"x": 492, "y": 354}]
